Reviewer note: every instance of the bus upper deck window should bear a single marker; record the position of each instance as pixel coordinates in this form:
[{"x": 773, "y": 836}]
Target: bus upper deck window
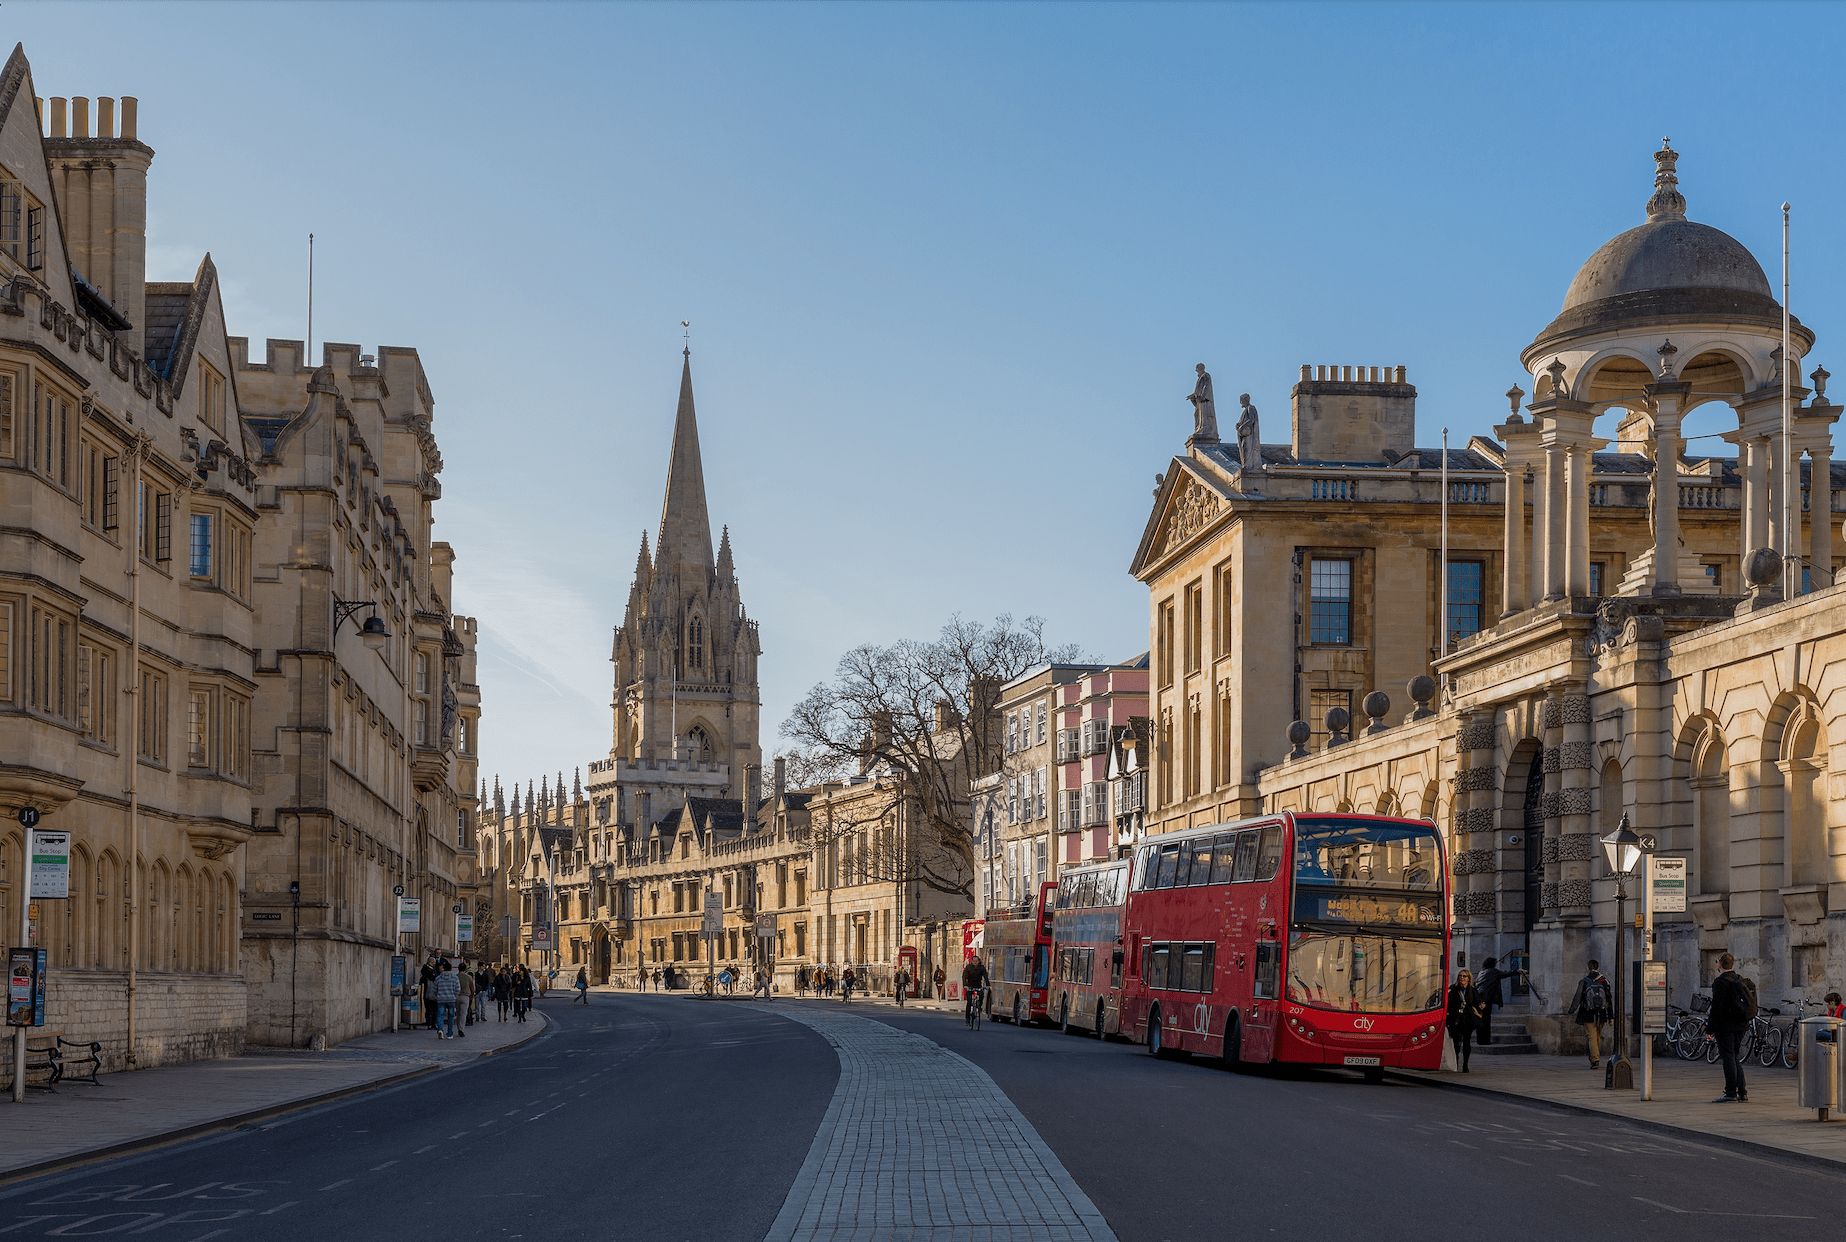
[
  {"x": 1224, "y": 849},
  {"x": 1169, "y": 865},
  {"x": 1269, "y": 859},
  {"x": 1200, "y": 849},
  {"x": 1246, "y": 854}
]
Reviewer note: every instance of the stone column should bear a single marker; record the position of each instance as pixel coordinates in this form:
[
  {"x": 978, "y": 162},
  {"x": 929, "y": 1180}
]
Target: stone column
[
  {"x": 1667, "y": 397},
  {"x": 1474, "y": 823},
  {"x": 1536, "y": 574},
  {"x": 1522, "y": 452},
  {"x": 1746, "y": 516},
  {"x": 1552, "y": 717},
  {"x": 1816, "y": 425},
  {"x": 1576, "y": 843},
  {"x": 1577, "y": 551},
  {"x": 1557, "y": 514}
]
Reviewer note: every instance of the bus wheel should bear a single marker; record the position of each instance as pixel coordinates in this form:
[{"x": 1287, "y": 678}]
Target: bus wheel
[
  {"x": 1016, "y": 1021},
  {"x": 1233, "y": 1045},
  {"x": 1064, "y": 1014},
  {"x": 1156, "y": 1038},
  {"x": 1101, "y": 1012},
  {"x": 1374, "y": 1076}
]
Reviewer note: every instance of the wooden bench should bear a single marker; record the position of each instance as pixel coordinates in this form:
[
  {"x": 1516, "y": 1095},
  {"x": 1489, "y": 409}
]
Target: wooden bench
[{"x": 70, "y": 1064}]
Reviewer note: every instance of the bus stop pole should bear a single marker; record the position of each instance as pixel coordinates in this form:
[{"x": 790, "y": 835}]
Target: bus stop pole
[
  {"x": 1646, "y": 955},
  {"x": 20, "y": 1033}
]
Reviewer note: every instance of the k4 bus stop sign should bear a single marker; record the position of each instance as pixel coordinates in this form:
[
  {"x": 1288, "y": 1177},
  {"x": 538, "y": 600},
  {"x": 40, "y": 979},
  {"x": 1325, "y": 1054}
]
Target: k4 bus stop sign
[{"x": 1669, "y": 881}]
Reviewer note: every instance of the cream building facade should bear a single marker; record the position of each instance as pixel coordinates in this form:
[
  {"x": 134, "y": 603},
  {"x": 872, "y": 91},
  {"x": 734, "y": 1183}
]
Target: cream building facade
[
  {"x": 173, "y": 536},
  {"x": 1686, "y": 685}
]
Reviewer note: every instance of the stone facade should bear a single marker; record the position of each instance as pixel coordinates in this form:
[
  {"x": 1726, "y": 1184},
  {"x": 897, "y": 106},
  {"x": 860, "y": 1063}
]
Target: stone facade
[
  {"x": 174, "y": 527},
  {"x": 1670, "y": 696}
]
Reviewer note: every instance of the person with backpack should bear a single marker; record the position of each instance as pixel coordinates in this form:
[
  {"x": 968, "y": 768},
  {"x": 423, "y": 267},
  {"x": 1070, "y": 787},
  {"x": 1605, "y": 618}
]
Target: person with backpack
[
  {"x": 1733, "y": 1006},
  {"x": 1592, "y": 1004}
]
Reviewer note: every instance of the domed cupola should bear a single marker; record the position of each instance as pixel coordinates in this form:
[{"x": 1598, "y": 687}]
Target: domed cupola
[{"x": 1670, "y": 270}]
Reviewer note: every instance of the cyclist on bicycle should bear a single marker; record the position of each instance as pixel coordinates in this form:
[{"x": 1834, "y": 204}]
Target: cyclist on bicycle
[{"x": 973, "y": 980}]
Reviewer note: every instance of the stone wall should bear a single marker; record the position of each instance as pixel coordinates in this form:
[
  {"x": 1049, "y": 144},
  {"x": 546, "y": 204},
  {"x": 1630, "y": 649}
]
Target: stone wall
[{"x": 179, "y": 1017}]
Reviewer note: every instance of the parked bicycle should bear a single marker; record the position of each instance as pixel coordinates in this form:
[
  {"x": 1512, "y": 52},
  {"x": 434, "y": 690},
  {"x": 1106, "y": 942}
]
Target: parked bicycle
[
  {"x": 1763, "y": 1038},
  {"x": 1686, "y": 1033},
  {"x": 1791, "y": 1039}
]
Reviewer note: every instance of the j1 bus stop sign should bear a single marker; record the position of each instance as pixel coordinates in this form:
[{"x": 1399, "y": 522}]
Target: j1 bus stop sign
[{"x": 28, "y": 817}]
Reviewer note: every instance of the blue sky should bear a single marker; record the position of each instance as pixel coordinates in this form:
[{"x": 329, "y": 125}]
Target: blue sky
[{"x": 948, "y": 266}]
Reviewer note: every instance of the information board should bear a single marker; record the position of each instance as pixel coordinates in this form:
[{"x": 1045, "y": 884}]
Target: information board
[
  {"x": 409, "y": 914},
  {"x": 51, "y": 864},
  {"x": 397, "y": 975},
  {"x": 765, "y": 927},
  {"x": 1669, "y": 885},
  {"x": 21, "y": 986},
  {"x": 464, "y": 928},
  {"x": 714, "y": 916},
  {"x": 1654, "y": 997}
]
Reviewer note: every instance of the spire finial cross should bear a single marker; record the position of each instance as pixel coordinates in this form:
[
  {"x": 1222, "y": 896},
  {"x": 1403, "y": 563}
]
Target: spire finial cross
[{"x": 687, "y": 325}]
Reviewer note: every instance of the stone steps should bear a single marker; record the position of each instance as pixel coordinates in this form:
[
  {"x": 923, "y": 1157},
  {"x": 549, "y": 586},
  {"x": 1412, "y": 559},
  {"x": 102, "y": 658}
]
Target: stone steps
[{"x": 1509, "y": 1039}]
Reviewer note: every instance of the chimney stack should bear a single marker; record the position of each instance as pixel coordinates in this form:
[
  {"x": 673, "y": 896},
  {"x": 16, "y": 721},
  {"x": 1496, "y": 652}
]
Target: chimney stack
[
  {"x": 101, "y": 183},
  {"x": 781, "y": 777}
]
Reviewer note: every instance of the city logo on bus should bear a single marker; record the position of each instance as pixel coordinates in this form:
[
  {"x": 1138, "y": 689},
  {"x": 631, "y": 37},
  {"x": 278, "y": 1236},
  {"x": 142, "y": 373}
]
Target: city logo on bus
[{"x": 1361, "y": 1024}]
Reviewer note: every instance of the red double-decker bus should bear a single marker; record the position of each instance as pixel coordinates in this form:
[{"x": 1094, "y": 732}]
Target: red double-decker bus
[
  {"x": 1086, "y": 948},
  {"x": 1318, "y": 939},
  {"x": 1016, "y": 949}
]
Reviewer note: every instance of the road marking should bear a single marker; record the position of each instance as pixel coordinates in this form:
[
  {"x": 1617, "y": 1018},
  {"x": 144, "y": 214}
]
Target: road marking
[
  {"x": 463, "y": 1134},
  {"x": 488, "y": 1122},
  {"x": 278, "y": 1207},
  {"x": 419, "y": 1151},
  {"x": 387, "y": 1164},
  {"x": 1510, "y": 1160},
  {"x": 1469, "y": 1146},
  {"x": 1567, "y": 1177},
  {"x": 1703, "y": 1212},
  {"x": 337, "y": 1184}
]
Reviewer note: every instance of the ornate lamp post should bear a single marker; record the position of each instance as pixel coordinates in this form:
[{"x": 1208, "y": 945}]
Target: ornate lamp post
[{"x": 1623, "y": 850}]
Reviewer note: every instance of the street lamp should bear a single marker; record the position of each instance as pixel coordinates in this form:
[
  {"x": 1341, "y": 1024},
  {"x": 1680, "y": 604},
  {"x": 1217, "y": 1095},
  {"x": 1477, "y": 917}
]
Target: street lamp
[
  {"x": 1623, "y": 850},
  {"x": 373, "y": 633}
]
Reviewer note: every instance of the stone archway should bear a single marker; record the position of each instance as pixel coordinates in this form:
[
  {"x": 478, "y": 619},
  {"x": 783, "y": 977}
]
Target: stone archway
[{"x": 599, "y": 953}]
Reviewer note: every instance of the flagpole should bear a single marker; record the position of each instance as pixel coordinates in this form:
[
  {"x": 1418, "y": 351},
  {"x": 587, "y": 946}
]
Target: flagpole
[
  {"x": 1442, "y": 619},
  {"x": 1791, "y": 465}
]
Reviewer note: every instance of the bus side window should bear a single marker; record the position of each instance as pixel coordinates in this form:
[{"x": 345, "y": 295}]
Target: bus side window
[
  {"x": 1146, "y": 866},
  {"x": 1246, "y": 854},
  {"x": 1269, "y": 860},
  {"x": 1201, "y": 859},
  {"x": 1086, "y": 891},
  {"x": 1182, "y": 869},
  {"x": 1211, "y": 954},
  {"x": 1042, "y": 969},
  {"x": 1192, "y": 977},
  {"x": 1169, "y": 862},
  {"x": 1157, "y": 965},
  {"x": 1268, "y": 958},
  {"x": 1224, "y": 847}
]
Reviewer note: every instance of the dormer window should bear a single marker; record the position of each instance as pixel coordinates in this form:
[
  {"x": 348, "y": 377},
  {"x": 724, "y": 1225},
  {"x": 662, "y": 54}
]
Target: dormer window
[
  {"x": 22, "y": 223},
  {"x": 211, "y": 397}
]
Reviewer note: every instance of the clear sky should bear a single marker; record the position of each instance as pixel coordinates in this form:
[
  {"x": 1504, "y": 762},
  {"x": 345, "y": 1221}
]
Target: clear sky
[{"x": 948, "y": 266}]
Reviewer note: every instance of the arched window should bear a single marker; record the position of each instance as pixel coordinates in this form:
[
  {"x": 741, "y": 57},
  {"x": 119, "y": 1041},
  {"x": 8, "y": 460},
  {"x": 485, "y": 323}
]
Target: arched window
[
  {"x": 1711, "y": 810},
  {"x": 698, "y": 744},
  {"x": 695, "y": 644},
  {"x": 1804, "y": 771}
]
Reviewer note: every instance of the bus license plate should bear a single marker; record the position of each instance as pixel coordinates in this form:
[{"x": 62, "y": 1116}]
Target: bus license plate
[{"x": 1362, "y": 1060}]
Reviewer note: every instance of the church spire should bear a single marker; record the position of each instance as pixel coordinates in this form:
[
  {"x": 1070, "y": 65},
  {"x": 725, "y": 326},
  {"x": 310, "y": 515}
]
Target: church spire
[
  {"x": 685, "y": 527},
  {"x": 725, "y": 569}
]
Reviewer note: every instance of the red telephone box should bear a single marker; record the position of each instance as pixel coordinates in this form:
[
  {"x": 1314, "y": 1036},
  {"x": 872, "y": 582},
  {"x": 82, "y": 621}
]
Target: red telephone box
[{"x": 907, "y": 959}]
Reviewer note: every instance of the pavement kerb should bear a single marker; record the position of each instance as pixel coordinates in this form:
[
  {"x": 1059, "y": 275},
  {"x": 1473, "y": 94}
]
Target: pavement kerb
[
  {"x": 1645, "y": 1123},
  {"x": 235, "y": 1120}
]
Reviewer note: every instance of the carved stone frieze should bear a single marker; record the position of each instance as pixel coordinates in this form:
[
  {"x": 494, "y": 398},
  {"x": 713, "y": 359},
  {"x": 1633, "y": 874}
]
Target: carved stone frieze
[
  {"x": 1574, "y": 801},
  {"x": 1574, "y": 893},
  {"x": 1552, "y": 763},
  {"x": 1193, "y": 509},
  {"x": 1548, "y": 896},
  {"x": 1477, "y": 778}
]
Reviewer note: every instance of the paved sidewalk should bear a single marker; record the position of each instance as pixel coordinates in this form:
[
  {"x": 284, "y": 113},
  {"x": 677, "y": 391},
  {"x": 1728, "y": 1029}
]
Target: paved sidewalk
[
  {"x": 920, "y": 1145},
  {"x": 148, "y": 1107},
  {"x": 1683, "y": 1091}
]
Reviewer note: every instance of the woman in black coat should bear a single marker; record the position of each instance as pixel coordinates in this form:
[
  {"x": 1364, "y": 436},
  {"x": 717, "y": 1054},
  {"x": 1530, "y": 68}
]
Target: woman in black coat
[{"x": 1464, "y": 1016}]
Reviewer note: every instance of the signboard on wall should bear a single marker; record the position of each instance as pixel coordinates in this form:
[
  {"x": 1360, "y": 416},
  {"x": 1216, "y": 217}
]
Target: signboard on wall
[{"x": 765, "y": 927}]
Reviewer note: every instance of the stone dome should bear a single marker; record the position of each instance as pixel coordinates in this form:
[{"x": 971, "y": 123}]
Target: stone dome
[
  {"x": 1670, "y": 270},
  {"x": 1668, "y": 254}
]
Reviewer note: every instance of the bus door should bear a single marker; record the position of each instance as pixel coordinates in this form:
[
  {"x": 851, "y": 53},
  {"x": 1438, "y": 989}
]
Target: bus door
[{"x": 1265, "y": 978}]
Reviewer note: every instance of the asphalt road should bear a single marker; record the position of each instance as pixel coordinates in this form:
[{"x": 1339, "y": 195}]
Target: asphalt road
[{"x": 676, "y": 1120}]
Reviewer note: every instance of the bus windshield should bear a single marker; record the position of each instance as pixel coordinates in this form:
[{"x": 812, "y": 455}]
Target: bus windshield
[
  {"x": 1363, "y": 973},
  {"x": 1371, "y": 854}
]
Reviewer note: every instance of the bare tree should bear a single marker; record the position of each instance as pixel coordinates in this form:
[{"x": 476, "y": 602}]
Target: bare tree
[{"x": 920, "y": 717}]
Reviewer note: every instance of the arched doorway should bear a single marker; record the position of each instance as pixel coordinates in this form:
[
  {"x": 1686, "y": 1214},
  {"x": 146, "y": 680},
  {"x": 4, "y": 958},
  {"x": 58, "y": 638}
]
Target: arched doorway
[{"x": 599, "y": 953}]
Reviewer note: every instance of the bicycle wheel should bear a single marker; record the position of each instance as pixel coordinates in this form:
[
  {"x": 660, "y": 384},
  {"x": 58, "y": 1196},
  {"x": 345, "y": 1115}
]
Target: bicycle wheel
[
  {"x": 1772, "y": 1047},
  {"x": 1791, "y": 1046},
  {"x": 1711, "y": 1052},
  {"x": 1691, "y": 1041}
]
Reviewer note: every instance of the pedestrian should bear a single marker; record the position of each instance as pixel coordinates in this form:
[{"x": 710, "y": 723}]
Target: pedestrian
[
  {"x": 425, "y": 978},
  {"x": 940, "y": 979},
  {"x": 902, "y": 982},
  {"x": 1591, "y": 1005},
  {"x": 465, "y": 978},
  {"x": 1733, "y": 1005},
  {"x": 446, "y": 989},
  {"x": 801, "y": 980},
  {"x": 503, "y": 990},
  {"x": 847, "y": 979},
  {"x": 1833, "y": 1007},
  {"x": 582, "y": 985},
  {"x": 656, "y": 979},
  {"x": 1490, "y": 987},
  {"x": 522, "y": 993},
  {"x": 762, "y": 984},
  {"x": 541, "y": 982},
  {"x": 1464, "y": 1015}
]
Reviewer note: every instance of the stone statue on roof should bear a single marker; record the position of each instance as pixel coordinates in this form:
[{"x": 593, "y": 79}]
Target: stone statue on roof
[
  {"x": 1204, "y": 411},
  {"x": 1249, "y": 437}
]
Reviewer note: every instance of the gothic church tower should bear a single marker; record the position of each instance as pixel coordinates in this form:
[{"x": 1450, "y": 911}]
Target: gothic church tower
[{"x": 686, "y": 698}]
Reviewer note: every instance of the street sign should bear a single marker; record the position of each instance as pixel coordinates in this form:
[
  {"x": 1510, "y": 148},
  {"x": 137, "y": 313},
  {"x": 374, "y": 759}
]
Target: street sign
[
  {"x": 765, "y": 927},
  {"x": 398, "y": 891},
  {"x": 1649, "y": 842},
  {"x": 1654, "y": 997},
  {"x": 542, "y": 935},
  {"x": 409, "y": 914},
  {"x": 1669, "y": 885},
  {"x": 464, "y": 928},
  {"x": 714, "y": 916},
  {"x": 51, "y": 864},
  {"x": 28, "y": 817}
]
